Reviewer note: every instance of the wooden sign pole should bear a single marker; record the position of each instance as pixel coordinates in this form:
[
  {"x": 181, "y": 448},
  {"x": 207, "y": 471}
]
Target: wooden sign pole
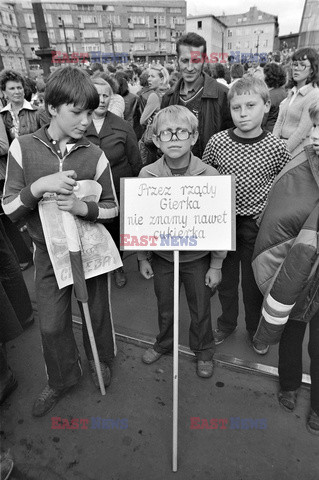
[{"x": 175, "y": 358}]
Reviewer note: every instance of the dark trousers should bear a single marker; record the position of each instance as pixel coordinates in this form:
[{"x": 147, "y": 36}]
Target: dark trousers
[
  {"x": 55, "y": 317},
  {"x": 20, "y": 247},
  {"x": 192, "y": 275},
  {"x": 240, "y": 260},
  {"x": 15, "y": 305},
  {"x": 290, "y": 357}
]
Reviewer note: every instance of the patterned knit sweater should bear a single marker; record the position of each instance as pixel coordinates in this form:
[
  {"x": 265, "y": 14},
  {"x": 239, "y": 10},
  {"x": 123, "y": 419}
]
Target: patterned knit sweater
[{"x": 254, "y": 161}]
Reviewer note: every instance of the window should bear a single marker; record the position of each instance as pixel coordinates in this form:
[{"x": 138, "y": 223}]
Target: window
[
  {"x": 162, "y": 20},
  {"x": 175, "y": 10},
  {"x": 229, "y": 47},
  {"x": 90, "y": 33},
  {"x": 69, "y": 32},
  {"x": 229, "y": 33},
  {"x": 239, "y": 20},
  {"x": 245, "y": 19},
  {"x": 137, "y": 9},
  {"x": 154, "y": 9},
  {"x": 108, "y": 8},
  {"x": 67, "y": 19},
  {"x": 29, "y": 19},
  {"x": 199, "y": 25},
  {"x": 260, "y": 17},
  {"x": 265, "y": 43}
]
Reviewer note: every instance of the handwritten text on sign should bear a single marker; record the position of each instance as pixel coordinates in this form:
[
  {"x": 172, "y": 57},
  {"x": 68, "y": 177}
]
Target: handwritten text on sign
[{"x": 178, "y": 213}]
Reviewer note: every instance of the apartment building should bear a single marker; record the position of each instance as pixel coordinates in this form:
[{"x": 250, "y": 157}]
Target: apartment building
[
  {"x": 141, "y": 30},
  {"x": 11, "y": 51}
]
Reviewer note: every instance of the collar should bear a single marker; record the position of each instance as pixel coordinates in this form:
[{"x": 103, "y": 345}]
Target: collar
[
  {"x": 43, "y": 135},
  {"x": 194, "y": 88},
  {"x": 26, "y": 106},
  {"x": 161, "y": 169},
  {"x": 303, "y": 90}
]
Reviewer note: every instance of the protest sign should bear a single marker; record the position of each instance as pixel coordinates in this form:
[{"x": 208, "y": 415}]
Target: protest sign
[
  {"x": 99, "y": 253},
  {"x": 178, "y": 213}
]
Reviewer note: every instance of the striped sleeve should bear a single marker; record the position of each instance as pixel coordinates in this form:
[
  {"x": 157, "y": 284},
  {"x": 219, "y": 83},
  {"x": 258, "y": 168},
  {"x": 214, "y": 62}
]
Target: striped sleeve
[
  {"x": 107, "y": 207},
  {"x": 17, "y": 200}
]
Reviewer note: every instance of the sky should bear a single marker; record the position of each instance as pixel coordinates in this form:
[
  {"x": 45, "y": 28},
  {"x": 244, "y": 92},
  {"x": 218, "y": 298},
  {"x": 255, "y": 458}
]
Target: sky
[{"x": 288, "y": 11}]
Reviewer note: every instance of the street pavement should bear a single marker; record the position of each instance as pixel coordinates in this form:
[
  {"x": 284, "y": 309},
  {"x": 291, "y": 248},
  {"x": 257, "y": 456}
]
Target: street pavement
[{"x": 260, "y": 441}]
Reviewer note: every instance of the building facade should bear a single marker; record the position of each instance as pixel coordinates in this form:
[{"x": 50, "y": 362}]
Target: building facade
[
  {"x": 309, "y": 26},
  {"x": 212, "y": 29},
  {"x": 141, "y": 30},
  {"x": 251, "y": 32},
  {"x": 11, "y": 51}
]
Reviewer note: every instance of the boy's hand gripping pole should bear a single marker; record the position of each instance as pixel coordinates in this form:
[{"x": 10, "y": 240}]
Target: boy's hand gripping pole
[{"x": 80, "y": 290}]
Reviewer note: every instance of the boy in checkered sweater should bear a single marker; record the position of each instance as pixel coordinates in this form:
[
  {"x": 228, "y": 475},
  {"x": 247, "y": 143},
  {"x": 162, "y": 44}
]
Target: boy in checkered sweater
[{"x": 255, "y": 157}]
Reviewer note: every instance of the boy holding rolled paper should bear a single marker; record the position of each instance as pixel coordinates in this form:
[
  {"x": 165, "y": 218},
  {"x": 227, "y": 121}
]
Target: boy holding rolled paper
[
  {"x": 51, "y": 160},
  {"x": 175, "y": 132}
]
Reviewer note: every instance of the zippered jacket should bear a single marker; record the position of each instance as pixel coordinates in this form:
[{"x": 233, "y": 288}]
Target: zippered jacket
[
  {"x": 32, "y": 157},
  {"x": 286, "y": 256}
]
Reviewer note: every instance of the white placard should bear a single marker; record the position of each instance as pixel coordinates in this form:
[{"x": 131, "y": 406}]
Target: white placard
[{"x": 178, "y": 213}]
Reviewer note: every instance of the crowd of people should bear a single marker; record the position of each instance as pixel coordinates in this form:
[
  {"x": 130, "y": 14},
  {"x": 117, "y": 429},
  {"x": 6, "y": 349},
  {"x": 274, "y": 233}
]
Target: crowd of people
[{"x": 258, "y": 122}]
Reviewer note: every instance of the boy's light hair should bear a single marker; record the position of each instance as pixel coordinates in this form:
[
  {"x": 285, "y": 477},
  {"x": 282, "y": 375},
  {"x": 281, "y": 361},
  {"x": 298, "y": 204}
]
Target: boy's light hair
[
  {"x": 249, "y": 84},
  {"x": 314, "y": 113},
  {"x": 174, "y": 112}
]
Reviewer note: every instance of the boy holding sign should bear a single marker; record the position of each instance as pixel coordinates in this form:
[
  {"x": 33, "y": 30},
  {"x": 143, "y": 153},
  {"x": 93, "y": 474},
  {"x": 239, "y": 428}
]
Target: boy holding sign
[
  {"x": 255, "y": 157},
  {"x": 175, "y": 132}
]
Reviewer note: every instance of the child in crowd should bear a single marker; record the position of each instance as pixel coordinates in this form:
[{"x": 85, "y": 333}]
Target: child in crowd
[
  {"x": 286, "y": 267},
  {"x": 255, "y": 157},
  {"x": 50, "y": 160},
  {"x": 175, "y": 132}
]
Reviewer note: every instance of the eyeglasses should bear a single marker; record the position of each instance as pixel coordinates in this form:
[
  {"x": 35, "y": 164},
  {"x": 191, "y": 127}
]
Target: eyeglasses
[
  {"x": 180, "y": 134},
  {"x": 300, "y": 66}
]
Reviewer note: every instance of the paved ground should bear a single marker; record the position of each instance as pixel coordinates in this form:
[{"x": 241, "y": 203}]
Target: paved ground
[{"x": 142, "y": 395}]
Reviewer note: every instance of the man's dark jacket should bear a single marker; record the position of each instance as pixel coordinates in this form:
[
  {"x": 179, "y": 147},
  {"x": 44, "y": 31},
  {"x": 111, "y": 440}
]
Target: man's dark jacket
[{"x": 214, "y": 114}]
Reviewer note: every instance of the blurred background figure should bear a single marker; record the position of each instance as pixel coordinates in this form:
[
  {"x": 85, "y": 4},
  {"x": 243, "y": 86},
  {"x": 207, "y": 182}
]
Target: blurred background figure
[
  {"x": 275, "y": 78},
  {"x": 118, "y": 141}
]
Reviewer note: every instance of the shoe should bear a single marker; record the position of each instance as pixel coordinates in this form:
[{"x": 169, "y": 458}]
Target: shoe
[
  {"x": 26, "y": 265},
  {"x": 46, "y": 401},
  {"x": 260, "y": 348},
  {"x": 205, "y": 369},
  {"x": 120, "y": 277},
  {"x": 288, "y": 399},
  {"x": 221, "y": 335},
  {"x": 151, "y": 356},
  {"x": 106, "y": 374},
  {"x": 313, "y": 423},
  {"x": 10, "y": 386}
]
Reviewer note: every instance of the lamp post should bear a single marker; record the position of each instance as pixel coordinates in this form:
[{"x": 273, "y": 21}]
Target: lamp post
[
  {"x": 258, "y": 33},
  {"x": 65, "y": 37}
]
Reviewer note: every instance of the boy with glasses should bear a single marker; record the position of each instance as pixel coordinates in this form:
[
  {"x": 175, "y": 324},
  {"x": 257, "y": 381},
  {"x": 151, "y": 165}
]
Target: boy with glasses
[{"x": 175, "y": 132}]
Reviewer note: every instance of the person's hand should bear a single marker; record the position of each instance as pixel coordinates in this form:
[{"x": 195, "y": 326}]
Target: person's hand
[
  {"x": 71, "y": 203},
  {"x": 146, "y": 269},
  {"x": 213, "y": 278},
  {"x": 60, "y": 183}
]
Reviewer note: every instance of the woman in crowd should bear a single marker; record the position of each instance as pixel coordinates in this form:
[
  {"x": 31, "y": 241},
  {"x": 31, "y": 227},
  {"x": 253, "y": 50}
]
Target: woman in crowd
[
  {"x": 130, "y": 99},
  {"x": 158, "y": 81},
  {"x": 19, "y": 118},
  {"x": 118, "y": 141},
  {"x": 293, "y": 123},
  {"x": 275, "y": 78}
]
